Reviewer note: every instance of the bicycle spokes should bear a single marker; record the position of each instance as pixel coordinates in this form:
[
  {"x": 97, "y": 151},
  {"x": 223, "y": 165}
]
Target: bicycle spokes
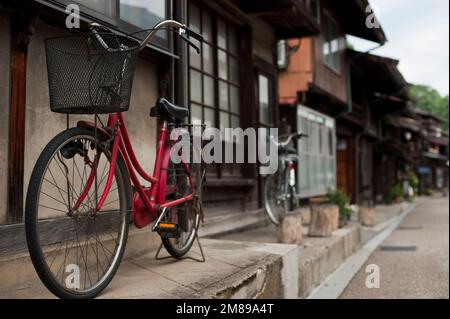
[{"x": 76, "y": 238}]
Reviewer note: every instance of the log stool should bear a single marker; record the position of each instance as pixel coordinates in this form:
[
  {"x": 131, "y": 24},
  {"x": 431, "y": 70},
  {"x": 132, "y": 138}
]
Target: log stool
[{"x": 324, "y": 219}]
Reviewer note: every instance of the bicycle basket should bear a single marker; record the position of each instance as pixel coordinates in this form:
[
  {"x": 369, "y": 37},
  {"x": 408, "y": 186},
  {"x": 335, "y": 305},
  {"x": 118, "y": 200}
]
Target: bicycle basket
[{"x": 86, "y": 78}]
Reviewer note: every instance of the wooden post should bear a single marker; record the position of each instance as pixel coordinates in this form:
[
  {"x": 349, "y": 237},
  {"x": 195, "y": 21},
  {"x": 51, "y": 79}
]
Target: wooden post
[
  {"x": 22, "y": 24},
  {"x": 291, "y": 230},
  {"x": 323, "y": 220},
  {"x": 367, "y": 216}
]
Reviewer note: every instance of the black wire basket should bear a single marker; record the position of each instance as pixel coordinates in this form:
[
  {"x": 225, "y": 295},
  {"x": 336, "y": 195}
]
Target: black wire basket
[{"x": 86, "y": 78}]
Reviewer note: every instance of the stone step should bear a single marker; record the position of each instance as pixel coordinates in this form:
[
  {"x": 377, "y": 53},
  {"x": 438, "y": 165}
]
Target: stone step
[
  {"x": 232, "y": 270},
  {"x": 233, "y": 222},
  {"x": 317, "y": 257},
  {"x": 16, "y": 269},
  {"x": 240, "y": 265}
]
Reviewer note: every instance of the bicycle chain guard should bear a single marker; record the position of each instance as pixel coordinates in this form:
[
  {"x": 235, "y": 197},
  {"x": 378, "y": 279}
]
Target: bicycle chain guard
[{"x": 142, "y": 216}]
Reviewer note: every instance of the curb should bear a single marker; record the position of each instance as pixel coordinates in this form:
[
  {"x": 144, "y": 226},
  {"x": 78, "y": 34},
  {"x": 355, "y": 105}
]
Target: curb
[{"x": 336, "y": 283}]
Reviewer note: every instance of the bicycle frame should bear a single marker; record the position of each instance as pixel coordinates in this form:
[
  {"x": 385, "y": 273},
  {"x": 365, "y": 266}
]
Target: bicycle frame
[{"x": 121, "y": 143}]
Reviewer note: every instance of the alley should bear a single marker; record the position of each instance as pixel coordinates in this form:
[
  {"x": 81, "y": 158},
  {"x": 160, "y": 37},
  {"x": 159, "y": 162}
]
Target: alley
[{"x": 414, "y": 260}]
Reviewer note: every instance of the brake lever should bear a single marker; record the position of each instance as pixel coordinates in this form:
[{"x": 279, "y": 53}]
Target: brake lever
[{"x": 192, "y": 44}]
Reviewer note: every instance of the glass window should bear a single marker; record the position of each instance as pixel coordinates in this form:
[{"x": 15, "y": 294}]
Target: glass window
[
  {"x": 208, "y": 59},
  {"x": 129, "y": 15},
  {"x": 195, "y": 58},
  {"x": 207, "y": 27},
  {"x": 233, "y": 41},
  {"x": 235, "y": 99},
  {"x": 317, "y": 172},
  {"x": 332, "y": 49},
  {"x": 223, "y": 91},
  {"x": 142, "y": 13},
  {"x": 209, "y": 96},
  {"x": 194, "y": 18},
  {"x": 104, "y": 7},
  {"x": 196, "y": 86},
  {"x": 223, "y": 65},
  {"x": 264, "y": 100},
  {"x": 234, "y": 70},
  {"x": 217, "y": 68},
  {"x": 209, "y": 119},
  {"x": 196, "y": 113},
  {"x": 222, "y": 35}
]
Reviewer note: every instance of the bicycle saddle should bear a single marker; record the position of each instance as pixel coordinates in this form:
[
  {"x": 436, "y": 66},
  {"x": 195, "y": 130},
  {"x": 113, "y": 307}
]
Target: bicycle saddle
[{"x": 166, "y": 109}]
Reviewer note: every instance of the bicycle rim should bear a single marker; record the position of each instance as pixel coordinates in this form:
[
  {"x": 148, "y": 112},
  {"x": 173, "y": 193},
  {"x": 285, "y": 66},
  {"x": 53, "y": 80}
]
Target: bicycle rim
[
  {"x": 81, "y": 253},
  {"x": 186, "y": 216}
]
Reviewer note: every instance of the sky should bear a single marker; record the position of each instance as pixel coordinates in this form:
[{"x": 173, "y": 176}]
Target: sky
[{"x": 418, "y": 36}]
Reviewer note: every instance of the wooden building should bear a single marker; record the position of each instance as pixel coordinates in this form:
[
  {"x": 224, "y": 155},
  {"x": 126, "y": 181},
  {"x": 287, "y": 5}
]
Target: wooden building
[
  {"x": 323, "y": 94},
  {"x": 434, "y": 150},
  {"x": 378, "y": 91},
  {"x": 422, "y": 147},
  {"x": 233, "y": 83}
]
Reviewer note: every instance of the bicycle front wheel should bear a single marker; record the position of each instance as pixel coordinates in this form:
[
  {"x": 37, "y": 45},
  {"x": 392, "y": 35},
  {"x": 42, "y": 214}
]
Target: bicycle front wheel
[{"x": 76, "y": 252}]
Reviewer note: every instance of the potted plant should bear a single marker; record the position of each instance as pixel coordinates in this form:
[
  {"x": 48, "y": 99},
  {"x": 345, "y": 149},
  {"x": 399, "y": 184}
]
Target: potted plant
[
  {"x": 414, "y": 183},
  {"x": 342, "y": 201},
  {"x": 396, "y": 193}
]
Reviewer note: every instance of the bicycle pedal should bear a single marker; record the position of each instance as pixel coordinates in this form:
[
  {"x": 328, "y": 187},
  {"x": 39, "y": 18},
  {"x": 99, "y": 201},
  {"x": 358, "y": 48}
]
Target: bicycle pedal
[{"x": 168, "y": 230}]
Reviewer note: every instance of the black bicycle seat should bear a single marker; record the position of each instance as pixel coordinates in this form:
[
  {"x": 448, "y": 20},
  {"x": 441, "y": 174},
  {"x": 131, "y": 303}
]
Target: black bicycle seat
[{"x": 164, "y": 108}]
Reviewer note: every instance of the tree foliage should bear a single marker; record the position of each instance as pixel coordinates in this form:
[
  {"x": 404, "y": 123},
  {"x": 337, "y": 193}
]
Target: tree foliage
[{"x": 430, "y": 100}]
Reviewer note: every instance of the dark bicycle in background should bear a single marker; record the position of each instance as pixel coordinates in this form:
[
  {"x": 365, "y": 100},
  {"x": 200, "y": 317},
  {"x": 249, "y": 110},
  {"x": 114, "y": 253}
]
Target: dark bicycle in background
[{"x": 280, "y": 189}]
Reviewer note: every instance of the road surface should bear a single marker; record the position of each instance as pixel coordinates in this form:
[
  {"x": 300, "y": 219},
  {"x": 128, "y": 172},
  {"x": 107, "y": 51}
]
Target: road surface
[{"x": 413, "y": 261}]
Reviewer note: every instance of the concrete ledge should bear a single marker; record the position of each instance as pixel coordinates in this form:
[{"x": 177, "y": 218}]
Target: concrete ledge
[
  {"x": 317, "y": 258},
  {"x": 321, "y": 256},
  {"x": 232, "y": 270},
  {"x": 231, "y": 223},
  {"x": 18, "y": 271}
]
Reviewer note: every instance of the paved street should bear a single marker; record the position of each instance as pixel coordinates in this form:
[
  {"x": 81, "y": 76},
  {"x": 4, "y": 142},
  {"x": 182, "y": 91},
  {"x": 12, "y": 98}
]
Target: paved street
[{"x": 414, "y": 260}]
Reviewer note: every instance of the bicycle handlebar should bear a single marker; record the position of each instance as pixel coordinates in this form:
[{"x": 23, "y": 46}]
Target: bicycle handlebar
[
  {"x": 182, "y": 30},
  {"x": 288, "y": 140}
]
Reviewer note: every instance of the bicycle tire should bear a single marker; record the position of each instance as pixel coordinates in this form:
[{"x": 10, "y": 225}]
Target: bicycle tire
[
  {"x": 31, "y": 214},
  {"x": 169, "y": 244}
]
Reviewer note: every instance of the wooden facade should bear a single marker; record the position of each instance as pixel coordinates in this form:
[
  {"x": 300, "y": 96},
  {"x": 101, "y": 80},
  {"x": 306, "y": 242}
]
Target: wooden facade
[
  {"x": 322, "y": 75},
  {"x": 164, "y": 70},
  {"x": 378, "y": 89}
]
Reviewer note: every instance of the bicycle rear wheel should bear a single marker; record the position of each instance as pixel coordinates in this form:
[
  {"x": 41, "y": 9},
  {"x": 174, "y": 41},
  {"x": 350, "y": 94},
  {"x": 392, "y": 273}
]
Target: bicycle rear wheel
[
  {"x": 183, "y": 180},
  {"x": 76, "y": 253}
]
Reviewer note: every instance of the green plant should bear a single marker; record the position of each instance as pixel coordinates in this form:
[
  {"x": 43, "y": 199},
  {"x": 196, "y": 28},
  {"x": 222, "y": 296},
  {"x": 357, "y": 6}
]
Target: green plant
[
  {"x": 396, "y": 192},
  {"x": 413, "y": 180},
  {"x": 341, "y": 200},
  {"x": 428, "y": 192}
]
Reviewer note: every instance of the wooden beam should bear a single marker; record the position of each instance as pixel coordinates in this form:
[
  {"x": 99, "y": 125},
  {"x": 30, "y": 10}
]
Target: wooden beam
[{"x": 22, "y": 24}]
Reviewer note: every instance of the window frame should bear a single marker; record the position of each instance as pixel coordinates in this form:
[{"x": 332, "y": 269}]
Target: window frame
[
  {"x": 116, "y": 23},
  {"x": 330, "y": 28},
  {"x": 314, "y": 9},
  {"x": 270, "y": 106},
  {"x": 216, "y": 18}
]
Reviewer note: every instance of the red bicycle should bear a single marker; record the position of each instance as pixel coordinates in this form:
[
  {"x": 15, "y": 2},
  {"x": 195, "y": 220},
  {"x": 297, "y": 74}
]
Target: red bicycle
[{"x": 80, "y": 198}]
